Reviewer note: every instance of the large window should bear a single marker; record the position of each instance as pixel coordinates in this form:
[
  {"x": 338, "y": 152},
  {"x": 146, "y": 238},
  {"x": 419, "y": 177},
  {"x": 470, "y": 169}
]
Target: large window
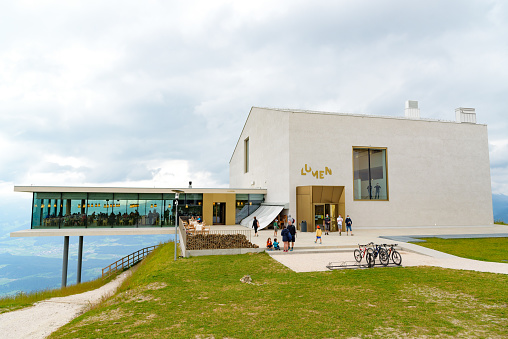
[
  {"x": 370, "y": 174},
  {"x": 59, "y": 210}
]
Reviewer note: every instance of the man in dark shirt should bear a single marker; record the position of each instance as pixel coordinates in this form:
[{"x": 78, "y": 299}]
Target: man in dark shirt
[
  {"x": 327, "y": 224},
  {"x": 349, "y": 223},
  {"x": 292, "y": 230}
]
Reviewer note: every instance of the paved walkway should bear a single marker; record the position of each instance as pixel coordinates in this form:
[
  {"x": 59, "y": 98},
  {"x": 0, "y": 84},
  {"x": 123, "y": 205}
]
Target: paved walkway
[{"x": 309, "y": 256}]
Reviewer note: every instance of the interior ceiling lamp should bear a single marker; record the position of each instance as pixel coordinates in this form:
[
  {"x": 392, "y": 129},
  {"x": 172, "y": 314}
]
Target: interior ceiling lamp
[
  {"x": 155, "y": 205},
  {"x": 186, "y": 206},
  {"x": 199, "y": 203},
  {"x": 169, "y": 206},
  {"x": 151, "y": 205},
  {"x": 250, "y": 202}
]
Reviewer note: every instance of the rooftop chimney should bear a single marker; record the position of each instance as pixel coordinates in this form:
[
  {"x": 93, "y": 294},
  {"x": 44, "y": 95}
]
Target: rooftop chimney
[
  {"x": 463, "y": 114},
  {"x": 412, "y": 111},
  {"x": 190, "y": 184}
]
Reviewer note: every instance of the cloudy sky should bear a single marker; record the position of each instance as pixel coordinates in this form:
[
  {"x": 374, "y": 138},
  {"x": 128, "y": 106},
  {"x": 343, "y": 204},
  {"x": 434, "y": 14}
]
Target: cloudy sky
[{"x": 155, "y": 93}]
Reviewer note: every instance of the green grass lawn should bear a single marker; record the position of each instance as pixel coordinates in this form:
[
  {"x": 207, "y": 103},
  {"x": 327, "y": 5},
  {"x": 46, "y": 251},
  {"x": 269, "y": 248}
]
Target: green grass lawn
[
  {"x": 203, "y": 297},
  {"x": 23, "y": 300},
  {"x": 485, "y": 249}
]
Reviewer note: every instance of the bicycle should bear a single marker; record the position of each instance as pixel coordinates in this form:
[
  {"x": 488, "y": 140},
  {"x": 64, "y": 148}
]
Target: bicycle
[
  {"x": 363, "y": 252},
  {"x": 393, "y": 254},
  {"x": 379, "y": 251}
]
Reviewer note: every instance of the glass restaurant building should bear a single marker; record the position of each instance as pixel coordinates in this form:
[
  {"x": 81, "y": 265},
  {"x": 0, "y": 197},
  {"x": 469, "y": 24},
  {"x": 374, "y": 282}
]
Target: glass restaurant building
[{"x": 98, "y": 207}]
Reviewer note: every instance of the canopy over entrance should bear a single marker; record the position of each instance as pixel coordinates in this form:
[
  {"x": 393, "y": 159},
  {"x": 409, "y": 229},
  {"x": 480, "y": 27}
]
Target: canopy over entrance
[
  {"x": 265, "y": 215},
  {"x": 313, "y": 203}
]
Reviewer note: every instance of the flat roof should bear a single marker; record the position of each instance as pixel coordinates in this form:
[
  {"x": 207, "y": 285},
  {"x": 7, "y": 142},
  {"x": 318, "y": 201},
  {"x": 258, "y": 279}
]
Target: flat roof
[
  {"x": 67, "y": 189},
  {"x": 61, "y": 232}
]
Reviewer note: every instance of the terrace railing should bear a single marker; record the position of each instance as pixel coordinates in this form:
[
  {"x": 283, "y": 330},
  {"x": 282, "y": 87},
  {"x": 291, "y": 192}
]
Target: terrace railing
[{"x": 127, "y": 261}]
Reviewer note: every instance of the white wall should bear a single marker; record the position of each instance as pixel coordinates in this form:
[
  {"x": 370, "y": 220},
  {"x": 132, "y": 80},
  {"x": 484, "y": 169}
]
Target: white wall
[
  {"x": 267, "y": 131},
  {"x": 438, "y": 172}
]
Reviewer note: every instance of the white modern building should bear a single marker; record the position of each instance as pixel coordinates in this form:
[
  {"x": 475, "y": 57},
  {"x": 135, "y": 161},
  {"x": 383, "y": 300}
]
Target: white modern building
[{"x": 382, "y": 171}]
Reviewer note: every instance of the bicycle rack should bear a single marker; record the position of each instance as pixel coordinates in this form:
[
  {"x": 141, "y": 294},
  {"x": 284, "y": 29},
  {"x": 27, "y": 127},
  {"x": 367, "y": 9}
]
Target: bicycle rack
[{"x": 338, "y": 265}]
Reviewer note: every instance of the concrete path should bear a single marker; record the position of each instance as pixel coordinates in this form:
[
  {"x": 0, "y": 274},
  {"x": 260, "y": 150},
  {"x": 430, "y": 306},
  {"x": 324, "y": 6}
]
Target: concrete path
[
  {"x": 45, "y": 317},
  {"x": 309, "y": 256}
]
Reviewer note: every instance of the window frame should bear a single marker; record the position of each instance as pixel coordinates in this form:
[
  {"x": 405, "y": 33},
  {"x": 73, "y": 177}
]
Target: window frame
[
  {"x": 246, "y": 151},
  {"x": 369, "y": 148}
]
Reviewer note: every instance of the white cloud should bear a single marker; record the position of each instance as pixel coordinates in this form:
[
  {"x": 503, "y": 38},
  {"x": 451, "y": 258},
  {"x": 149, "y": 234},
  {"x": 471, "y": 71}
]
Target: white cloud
[{"x": 156, "y": 94}]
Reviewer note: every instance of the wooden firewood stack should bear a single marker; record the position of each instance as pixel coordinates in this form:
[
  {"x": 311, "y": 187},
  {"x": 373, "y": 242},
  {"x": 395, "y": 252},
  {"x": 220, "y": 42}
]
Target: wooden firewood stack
[{"x": 218, "y": 241}]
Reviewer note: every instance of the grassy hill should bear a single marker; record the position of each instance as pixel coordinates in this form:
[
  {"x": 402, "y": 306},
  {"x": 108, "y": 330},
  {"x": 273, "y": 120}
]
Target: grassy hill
[{"x": 203, "y": 297}]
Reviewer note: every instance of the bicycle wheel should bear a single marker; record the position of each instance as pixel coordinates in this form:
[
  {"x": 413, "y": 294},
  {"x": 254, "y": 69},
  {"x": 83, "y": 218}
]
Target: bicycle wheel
[
  {"x": 397, "y": 259},
  {"x": 358, "y": 255},
  {"x": 383, "y": 257},
  {"x": 370, "y": 259}
]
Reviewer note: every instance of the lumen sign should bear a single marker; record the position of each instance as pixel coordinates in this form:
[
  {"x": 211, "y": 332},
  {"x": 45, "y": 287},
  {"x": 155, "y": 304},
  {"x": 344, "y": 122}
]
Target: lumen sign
[{"x": 318, "y": 174}]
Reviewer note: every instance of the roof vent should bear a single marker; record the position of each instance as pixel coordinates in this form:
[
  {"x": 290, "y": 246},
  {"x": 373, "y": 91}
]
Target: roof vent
[
  {"x": 412, "y": 111},
  {"x": 190, "y": 184},
  {"x": 463, "y": 114}
]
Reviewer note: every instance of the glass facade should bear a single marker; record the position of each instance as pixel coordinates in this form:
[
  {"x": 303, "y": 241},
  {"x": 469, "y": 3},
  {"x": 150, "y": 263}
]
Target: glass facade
[
  {"x": 246, "y": 204},
  {"x": 58, "y": 210},
  {"x": 370, "y": 174}
]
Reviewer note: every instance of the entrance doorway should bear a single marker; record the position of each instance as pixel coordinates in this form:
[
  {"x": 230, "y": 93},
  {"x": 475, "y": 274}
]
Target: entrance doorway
[
  {"x": 219, "y": 213},
  {"x": 320, "y": 212},
  {"x": 313, "y": 203}
]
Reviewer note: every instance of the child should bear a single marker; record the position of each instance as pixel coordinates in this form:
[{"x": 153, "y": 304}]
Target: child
[
  {"x": 276, "y": 244},
  {"x": 275, "y": 228},
  {"x": 318, "y": 235},
  {"x": 269, "y": 244}
]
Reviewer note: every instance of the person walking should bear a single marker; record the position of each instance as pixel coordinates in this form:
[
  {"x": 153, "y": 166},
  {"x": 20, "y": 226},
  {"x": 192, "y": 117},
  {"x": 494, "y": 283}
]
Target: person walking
[
  {"x": 275, "y": 227},
  {"x": 255, "y": 225},
  {"x": 318, "y": 235},
  {"x": 327, "y": 224},
  {"x": 339, "y": 224},
  {"x": 285, "y": 237},
  {"x": 292, "y": 231},
  {"x": 349, "y": 223}
]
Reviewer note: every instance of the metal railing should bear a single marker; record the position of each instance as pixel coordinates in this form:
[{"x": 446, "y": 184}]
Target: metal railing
[{"x": 127, "y": 261}]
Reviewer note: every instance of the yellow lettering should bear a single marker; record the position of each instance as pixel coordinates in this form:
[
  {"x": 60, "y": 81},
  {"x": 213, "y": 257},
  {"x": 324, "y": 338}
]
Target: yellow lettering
[
  {"x": 328, "y": 171},
  {"x": 307, "y": 169},
  {"x": 303, "y": 173},
  {"x": 321, "y": 174},
  {"x": 315, "y": 174}
]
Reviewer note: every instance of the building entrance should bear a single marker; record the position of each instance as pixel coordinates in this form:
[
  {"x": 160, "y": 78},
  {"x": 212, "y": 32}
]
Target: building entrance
[
  {"x": 320, "y": 212},
  {"x": 219, "y": 213},
  {"x": 313, "y": 203}
]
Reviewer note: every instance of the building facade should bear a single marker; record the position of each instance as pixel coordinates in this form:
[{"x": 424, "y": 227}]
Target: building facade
[
  {"x": 102, "y": 207},
  {"x": 382, "y": 171}
]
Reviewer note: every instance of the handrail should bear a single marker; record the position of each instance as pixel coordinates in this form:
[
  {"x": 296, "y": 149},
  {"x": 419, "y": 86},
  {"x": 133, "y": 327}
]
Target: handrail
[{"x": 127, "y": 261}]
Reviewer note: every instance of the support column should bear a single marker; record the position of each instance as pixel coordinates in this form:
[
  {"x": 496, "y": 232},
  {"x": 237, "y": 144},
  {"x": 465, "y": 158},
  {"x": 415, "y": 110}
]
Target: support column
[
  {"x": 80, "y": 259},
  {"x": 65, "y": 260}
]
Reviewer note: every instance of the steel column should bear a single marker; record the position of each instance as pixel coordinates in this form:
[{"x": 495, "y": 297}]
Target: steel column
[
  {"x": 80, "y": 259},
  {"x": 65, "y": 260}
]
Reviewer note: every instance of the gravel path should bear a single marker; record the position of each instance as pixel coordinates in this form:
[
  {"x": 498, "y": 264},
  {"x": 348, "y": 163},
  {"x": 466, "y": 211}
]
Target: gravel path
[{"x": 45, "y": 317}]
